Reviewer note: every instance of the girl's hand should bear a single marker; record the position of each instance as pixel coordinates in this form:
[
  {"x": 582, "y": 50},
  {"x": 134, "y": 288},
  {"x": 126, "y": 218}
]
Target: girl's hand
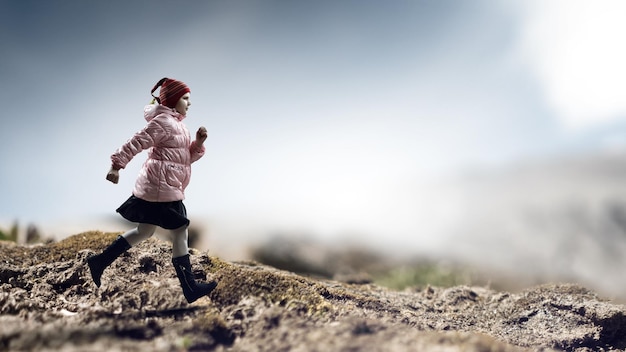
[
  {"x": 201, "y": 135},
  {"x": 113, "y": 175}
]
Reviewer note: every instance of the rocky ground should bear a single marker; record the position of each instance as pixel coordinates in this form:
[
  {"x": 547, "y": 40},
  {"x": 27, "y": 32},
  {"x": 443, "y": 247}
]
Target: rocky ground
[{"x": 48, "y": 302}]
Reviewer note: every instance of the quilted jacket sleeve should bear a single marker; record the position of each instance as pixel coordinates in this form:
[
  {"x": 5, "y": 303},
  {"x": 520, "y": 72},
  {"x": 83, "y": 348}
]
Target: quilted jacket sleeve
[
  {"x": 144, "y": 139},
  {"x": 196, "y": 152}
]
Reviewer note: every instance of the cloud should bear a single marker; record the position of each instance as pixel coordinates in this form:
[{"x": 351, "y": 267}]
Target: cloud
[{"x": 575, "y": 49}]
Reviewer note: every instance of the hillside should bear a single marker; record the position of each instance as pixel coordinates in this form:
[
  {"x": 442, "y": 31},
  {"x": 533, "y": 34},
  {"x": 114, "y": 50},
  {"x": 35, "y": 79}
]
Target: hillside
[{"x": 48, "y": 302}]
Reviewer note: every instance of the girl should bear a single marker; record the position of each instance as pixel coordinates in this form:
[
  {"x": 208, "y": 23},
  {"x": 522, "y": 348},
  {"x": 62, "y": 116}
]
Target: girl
[{"x": 157, "y": 198}]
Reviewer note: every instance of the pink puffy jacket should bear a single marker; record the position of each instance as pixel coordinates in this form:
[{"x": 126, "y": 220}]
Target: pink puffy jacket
[{"x": 166, "y": 173}]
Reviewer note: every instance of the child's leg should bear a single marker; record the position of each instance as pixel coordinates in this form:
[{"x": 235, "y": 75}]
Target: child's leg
[
  {"x": 142, "y": 232},
  {"x": 192, "y": 290},
  {"x": 179, "y": 242},
  {"x": 97, "y": 263}
]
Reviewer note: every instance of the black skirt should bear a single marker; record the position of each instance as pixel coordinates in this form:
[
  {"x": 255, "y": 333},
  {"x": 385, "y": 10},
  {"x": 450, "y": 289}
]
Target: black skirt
[{"x": 168, "y": 215}]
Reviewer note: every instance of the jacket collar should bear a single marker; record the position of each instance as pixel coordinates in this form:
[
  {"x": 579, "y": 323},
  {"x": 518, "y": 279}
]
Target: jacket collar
[{"x": 153, "y": 110}]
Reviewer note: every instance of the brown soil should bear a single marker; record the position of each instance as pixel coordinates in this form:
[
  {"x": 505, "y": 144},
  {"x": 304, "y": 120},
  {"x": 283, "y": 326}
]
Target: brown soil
[{"x": 48, "y": 302}]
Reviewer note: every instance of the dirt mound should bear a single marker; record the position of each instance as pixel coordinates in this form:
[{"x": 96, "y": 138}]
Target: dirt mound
[{"x": 48, "y": 302}]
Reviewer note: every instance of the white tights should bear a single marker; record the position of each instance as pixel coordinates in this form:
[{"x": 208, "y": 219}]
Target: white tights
[{"x": 144, "y": 231}]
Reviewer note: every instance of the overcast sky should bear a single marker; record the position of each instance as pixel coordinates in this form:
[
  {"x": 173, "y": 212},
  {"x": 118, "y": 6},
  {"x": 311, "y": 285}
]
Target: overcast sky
[{"x": 317, "y": 111}]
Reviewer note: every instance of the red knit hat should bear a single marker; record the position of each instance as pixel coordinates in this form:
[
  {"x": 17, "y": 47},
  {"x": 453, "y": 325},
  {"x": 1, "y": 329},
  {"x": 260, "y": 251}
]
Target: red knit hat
[{"x": 170, "y": 92}]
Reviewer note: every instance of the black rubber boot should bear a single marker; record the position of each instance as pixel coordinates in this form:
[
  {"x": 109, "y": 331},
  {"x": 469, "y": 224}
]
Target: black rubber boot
[
  {"x": 191, "y": 289},
  {"x": 97, "y": 263}
]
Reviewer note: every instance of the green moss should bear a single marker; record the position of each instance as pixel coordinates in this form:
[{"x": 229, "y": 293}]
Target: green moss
[
  {"x": 185, "y": 342},
  {"x": 66, "y": 249},
  {"x": 296, "y": 293},
  {"x": 239, "y": 280}
]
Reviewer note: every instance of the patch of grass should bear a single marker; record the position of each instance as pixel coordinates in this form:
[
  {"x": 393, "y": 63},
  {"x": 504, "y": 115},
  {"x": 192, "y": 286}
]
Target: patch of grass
[
  {"x": 422, "y": 274},
  {"x": 4, "y": 237},
  {"x": 9, "y": 236}
]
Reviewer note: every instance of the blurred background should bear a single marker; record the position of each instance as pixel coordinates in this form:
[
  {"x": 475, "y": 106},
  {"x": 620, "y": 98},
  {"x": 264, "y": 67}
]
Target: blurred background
[{"x": 487, "y": 132}]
